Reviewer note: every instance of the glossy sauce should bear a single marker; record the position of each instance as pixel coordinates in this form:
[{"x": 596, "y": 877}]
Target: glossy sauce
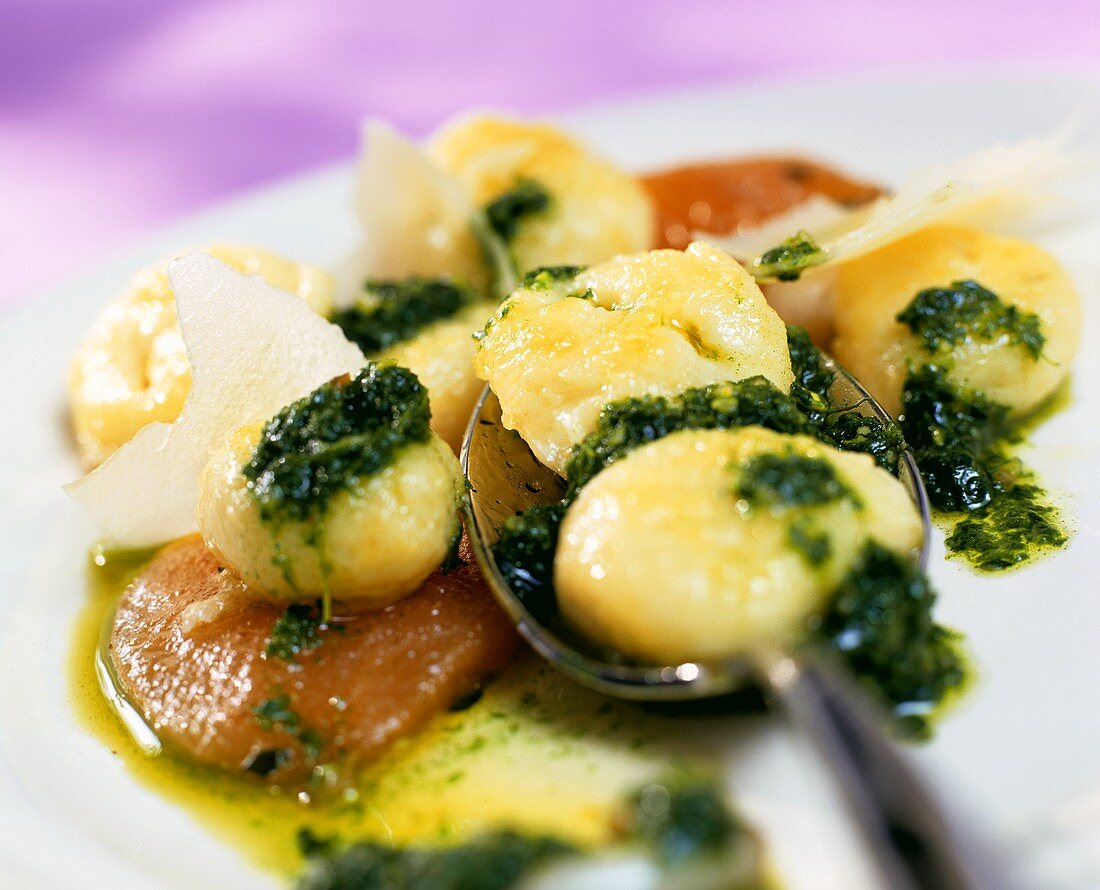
[
  {"x": 721, "y": 196},
  {"x": 461, "y": 774}
]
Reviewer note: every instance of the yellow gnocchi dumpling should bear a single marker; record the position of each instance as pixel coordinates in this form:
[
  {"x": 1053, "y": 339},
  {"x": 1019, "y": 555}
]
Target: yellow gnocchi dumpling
[
  {"x": 989, "y": 358},
  {"x": 654, "y": 323},
  {"x": 442, "y": 357},
  {"x": 131, "y": 369},
  {"x": 379, "y": 540},
  {"x": 595, "y": 210},
  {"x": 705, "y": 544}
]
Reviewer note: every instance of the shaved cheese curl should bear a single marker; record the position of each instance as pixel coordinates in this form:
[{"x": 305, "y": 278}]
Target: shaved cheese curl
[
  {"x": 990, "y": 188},
  {"x": 253, "y": 349},
  {"x": 416, "y": 219}
]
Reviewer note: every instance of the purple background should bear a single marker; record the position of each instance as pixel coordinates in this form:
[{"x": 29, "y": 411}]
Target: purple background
[{"x": 118, "y": 115}]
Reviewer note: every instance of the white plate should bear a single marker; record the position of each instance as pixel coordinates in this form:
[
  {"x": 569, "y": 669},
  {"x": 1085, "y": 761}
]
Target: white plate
[{"x": 1020, "y": 756}]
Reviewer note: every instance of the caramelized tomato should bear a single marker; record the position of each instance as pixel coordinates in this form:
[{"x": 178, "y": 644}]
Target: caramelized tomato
[
  {"x": 188, "y": 647},
  {"x": 720, "y": 196}
]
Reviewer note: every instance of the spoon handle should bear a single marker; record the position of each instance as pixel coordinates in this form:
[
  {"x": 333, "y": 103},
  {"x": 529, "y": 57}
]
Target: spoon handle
[{"x": 894, "y": 809}]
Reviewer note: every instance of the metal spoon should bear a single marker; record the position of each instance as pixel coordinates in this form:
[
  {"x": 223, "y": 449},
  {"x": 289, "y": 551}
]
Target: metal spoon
[{"x": 893, "y": 808}]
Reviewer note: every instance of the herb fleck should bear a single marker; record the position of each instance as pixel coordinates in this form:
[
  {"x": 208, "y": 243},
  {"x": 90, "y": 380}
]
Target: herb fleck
[
  {"x": 810, "y": 540},
  {"x": 297, "y": 630},
  {"x": 545, "y": 277},
  {"x": 790, "y": 259},
  {"x": 276, "y": 714}
]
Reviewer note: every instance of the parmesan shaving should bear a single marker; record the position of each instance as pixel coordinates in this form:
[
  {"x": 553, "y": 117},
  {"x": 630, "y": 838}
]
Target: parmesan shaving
[
  {"x": 253, "y": 349},
  {"x": 415, "y": 218},
  {"x": 818, "y": 215},
  {"x": 990, "y": 185}
]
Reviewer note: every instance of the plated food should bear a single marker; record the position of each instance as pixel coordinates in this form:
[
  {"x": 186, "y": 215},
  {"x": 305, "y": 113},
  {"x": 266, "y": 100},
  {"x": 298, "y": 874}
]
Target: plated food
[{"x": 715, "y": 493}]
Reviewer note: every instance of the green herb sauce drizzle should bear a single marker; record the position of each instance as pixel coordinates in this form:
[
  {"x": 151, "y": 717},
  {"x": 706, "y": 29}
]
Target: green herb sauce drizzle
[
  {"x": 676, "y": 824},
  {"x": 961, "y": 438}
]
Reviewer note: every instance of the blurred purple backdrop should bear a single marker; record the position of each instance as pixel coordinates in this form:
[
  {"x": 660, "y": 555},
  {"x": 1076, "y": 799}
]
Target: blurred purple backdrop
[{"x": 118, "y": 115}]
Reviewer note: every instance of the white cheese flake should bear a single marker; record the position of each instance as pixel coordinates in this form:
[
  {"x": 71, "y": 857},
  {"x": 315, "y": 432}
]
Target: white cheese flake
[
  {"x": 988, "y": 187},
  {"x": 415, "y": 218},
  {"x": 253, "y": 349}
]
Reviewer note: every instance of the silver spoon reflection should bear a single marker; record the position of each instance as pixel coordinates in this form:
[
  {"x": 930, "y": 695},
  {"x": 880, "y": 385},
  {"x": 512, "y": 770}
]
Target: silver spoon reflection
[{"x": 895, "y": 811}]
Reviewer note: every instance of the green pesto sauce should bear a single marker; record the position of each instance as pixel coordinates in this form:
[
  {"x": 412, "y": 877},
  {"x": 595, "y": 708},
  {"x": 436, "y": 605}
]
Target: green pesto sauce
[
  {"x": 297, "y": 630},
  {"x": 395, "y": 311},
  {"x": 944, "y": 317},
  {"x": 810, "y": 540},
  {"x": 787, "y": 261},
  {"x": 629, "y": 423},
  {"x": 962, "y": 443},
  {"x": 673, "y": 824},
  {"x": 1017, "y": 525},
  {"x": 507, "y": 211},
  {"x": 791, "y": 480},
  {"x": 812, "y": 377},
  {"x": 492, "y": 862},
  {"x": 837, "y": 425},
  {"x": 680, "y": 821},
  {"x": 852, "y": 431},
  {"x": 330, "y": 440},
  {"x": 794, "y": 483},
  {"x": 899, "y": 620},
  {"x": 962, "y": 439},
  {"x": 880, "y": 623}
]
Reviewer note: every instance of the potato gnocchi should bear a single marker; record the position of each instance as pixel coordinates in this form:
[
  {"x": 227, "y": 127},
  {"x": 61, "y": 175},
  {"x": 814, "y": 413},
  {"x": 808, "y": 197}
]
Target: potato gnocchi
[
  {"x": 872, "y": 290},
  {"x": 380, "y": 539},
  {"x": 648, "y": 324},
  {"x": 595, "y": 210},
  {"x": 708, "y": 573}
]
